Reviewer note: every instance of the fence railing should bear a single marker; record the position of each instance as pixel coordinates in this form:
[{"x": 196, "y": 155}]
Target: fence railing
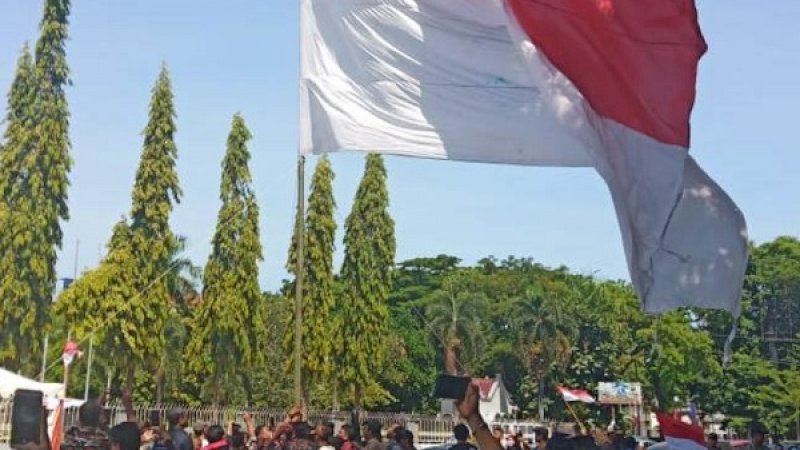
[{"x": 426, "y": 429}]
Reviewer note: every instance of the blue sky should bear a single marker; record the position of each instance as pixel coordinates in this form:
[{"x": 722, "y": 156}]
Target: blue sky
[{"x": 242, "y": 56}]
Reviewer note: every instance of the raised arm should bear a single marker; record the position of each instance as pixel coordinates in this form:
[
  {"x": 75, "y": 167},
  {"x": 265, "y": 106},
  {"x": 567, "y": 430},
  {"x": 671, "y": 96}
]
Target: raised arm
[{"x": 469, "y": 410}]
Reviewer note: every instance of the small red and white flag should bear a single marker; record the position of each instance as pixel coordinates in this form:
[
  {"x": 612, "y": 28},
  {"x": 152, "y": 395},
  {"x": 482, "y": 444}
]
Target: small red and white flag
[
  {"x": 681, "y": 435},
  {"x": 71, "y": 350},
  {"x": 575, "y": 395}
]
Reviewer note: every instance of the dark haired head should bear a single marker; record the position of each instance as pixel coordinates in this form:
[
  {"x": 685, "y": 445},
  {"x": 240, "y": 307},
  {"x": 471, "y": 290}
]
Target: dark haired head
[
  {"x": 374, "y": 428},
  {"x": 175, "y": 416},
  {"x": 90, "y": 413},
  {"x": 301, "y": 430},
  {"x": 461, "y": 432},
  {"x": 215, "y": 433},
  {"x": 125, "y": 436}
]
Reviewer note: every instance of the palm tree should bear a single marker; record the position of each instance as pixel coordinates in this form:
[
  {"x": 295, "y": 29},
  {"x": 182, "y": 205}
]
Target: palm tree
[
  {"x": 549, "y": 331},
  {"x": 454, "y": 316},
  {"x": 182, "y": 285}
]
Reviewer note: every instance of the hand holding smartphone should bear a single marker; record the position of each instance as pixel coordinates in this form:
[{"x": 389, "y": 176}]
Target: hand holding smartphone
[{"x": 451, "y": 387}]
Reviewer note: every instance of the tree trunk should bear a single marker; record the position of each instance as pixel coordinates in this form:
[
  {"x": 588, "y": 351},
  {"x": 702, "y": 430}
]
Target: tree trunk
[
  {"x": 541, "y": 399},
  {"x": 130, "y": 377},
  {"x": 450, "y": 366},
  {"x": 358, "y": 396}
]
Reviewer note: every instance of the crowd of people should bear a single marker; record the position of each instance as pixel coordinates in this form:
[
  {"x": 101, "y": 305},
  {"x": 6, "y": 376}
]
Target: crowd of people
[{"x": 295, "y": 433}]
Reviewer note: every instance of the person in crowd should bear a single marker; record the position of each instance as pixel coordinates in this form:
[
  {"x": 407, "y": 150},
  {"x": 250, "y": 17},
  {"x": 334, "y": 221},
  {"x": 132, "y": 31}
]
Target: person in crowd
[
  {"x": 346, "y": 437},
  {"x": 406, "y": 439},
  {"x": 713, "y": 442},
  {"x": 393, "y": 435},
  {"x": 216, "y": 438},
  {"x": 323, "y": 436},
  {"x": 541, "y": 435},
  {"x": 263, "y": 438},
  {"x": 372, "y": 436},
  {"x": 176, "y": 419},
  {"x": 461, "y": 433},
  {"x": 497, "y": 432},
  {"x": 90, "y": 428},
  {"x": 301, "y": 437},
  {"x": 758, "y": 439},
  {"x": 334, "y": 440},
  {"x": 199, "y": 436},
  {"x": 630, "y": 443},
  {"x": 125, "y": 436}
]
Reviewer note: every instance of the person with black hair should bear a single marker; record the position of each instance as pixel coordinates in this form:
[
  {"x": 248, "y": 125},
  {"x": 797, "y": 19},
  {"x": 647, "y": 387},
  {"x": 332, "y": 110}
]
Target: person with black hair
[
  {"x": 216, "y": 438},
  {"x": 712, "y": 443},
  {"x": 406, "y": 439},
  {"x": 374, "y": 439},
  {"x": 346, "y": 438},
  {"x": 758, "y": 437},
  {"x": 324, "y": 435},
  {"x": 90, "y": 430},
  {"x": 541, "y": 436},
  {"x": 461, "y": 433},
  {"x": 125, "y": 436},
  {"x": 301, "y": 438},
  {"x": 176, "y": 418}
]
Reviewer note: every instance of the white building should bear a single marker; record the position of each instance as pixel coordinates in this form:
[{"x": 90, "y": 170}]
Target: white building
[{"x": 495, "y": 401}]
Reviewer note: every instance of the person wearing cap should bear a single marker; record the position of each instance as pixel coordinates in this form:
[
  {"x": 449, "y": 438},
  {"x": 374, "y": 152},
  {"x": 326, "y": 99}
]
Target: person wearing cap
[
  {"x": 176, "y": 418},
  {"x": 125, "y": 436}
]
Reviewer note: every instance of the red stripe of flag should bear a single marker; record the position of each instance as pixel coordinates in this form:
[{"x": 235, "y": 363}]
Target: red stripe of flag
[
  {"x": 634, "y": 61},
  {"x": 675, "y": 428}
]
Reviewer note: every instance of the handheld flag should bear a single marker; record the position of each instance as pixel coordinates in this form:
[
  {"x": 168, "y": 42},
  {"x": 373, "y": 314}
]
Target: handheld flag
[
  {"x": 575, "y": 395},
  {"x": 71, "y": 351},
  {"x": 680, "y": 435},
  {"x": 547, "y": 83}
]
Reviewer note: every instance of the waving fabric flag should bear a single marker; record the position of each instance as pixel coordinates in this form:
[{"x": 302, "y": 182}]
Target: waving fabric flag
[
  {"x": 607, "y": 84},
  {"x": 680, "y": 435},
  {"x": 71, "y": 350},
  {"x": 575, "y": 395}
]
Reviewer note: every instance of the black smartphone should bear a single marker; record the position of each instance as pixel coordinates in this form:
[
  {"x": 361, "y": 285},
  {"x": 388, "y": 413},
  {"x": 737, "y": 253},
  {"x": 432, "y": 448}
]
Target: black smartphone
[
  {"x": 26, "y": 417},
  {"x": 451, "y": 387},
  {"x": 155, "y": 418}
]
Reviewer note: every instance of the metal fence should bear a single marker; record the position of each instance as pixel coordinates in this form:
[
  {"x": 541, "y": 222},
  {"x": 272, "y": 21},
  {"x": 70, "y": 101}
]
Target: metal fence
[{"x": 426, "y": 429}]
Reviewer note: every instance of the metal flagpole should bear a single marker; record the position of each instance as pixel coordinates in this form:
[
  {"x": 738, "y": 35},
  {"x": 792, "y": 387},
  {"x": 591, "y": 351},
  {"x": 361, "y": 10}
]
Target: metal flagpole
[
  {"x": 298, "y": 292},
  {"x": 88, "y": 370},
  {"x": 44, "y": 357}
]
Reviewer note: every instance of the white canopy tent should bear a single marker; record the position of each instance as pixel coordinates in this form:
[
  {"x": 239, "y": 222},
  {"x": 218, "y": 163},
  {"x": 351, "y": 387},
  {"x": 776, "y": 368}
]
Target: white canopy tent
[{"x": 10, "y": 382}]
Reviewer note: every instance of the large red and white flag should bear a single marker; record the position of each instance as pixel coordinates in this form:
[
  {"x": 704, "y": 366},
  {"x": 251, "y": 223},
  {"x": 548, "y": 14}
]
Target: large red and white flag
[
  {"x": 575, "y": 395},
  {"x": 681, "y": 435},
  {"x": 608, "y": 84}
]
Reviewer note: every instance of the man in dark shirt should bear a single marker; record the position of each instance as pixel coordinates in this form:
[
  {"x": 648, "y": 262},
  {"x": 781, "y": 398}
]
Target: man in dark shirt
[
  {"x": 90, "y": 431},
  {"x": 176, "y": 417},
  {"x": 461, "y": 432},
  {"x": 125, "y": 436}
]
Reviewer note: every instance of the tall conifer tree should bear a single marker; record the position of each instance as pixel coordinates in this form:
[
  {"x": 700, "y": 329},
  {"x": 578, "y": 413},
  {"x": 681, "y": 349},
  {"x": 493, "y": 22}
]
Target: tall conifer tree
[
  {"x": 130, "y": 287},
  {"x": 19, "y": 312},
  {"x": 320, "y": 337},
  {"x": 369, "y": 251},
  {"x": 233, "y": 331},
  {"x": 36, "y": 185}
]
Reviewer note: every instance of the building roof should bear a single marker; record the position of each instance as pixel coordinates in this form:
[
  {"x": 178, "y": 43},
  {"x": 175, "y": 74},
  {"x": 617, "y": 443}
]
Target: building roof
[{"x": 487, "y": 387}]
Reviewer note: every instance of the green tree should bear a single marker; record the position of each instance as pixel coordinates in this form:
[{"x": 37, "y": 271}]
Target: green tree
[
  {"x": 454, "y": 317},
  {"x": 231, "y": 310},
  {"x": 318, "y": 330},
  {"x": 34, "y": 182},
  {"x": 369, "y": 251},
  {"x": 155, "y": 191},
  {"x": 552, "y": 332},
  {"x": 22, "y": 310}
]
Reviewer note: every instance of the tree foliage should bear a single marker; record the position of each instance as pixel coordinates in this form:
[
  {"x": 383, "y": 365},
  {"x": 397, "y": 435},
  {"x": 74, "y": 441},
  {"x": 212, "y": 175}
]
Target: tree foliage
[
  {"x": 34, "y": 179},
  {"x": 231, "y": 311},
  {"x": 369, "y": 251},
  {"x": 319, "y": 329}
]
